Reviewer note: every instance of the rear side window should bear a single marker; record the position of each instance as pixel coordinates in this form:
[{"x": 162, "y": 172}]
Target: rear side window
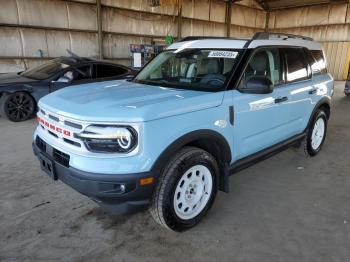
[
  {"x": 105, "y": 71},
  {"x": 318, "y": 65},
  {"x": 296, "y": 64}
]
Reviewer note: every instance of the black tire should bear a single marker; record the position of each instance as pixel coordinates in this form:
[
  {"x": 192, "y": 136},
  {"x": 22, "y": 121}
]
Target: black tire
[
  {"x": 17, "y": 107},
  {"x": 347, "y": 94},
  {"x": 307, "y": 147},
  {"x": 162, "y": 207}
]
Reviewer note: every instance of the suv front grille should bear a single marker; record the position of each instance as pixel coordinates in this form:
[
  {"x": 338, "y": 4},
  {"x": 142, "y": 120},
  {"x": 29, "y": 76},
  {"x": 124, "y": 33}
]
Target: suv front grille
[{"x": 55, "y": 126}]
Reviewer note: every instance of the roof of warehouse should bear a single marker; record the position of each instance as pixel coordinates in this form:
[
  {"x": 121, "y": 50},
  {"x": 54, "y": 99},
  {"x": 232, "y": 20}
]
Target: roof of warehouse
[{"x": 281, "y": 4}]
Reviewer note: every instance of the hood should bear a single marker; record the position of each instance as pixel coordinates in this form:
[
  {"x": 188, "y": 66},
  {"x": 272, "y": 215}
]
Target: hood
[
  {"x": 14, "y": 78},
  {"x": 125, "y": 101}
]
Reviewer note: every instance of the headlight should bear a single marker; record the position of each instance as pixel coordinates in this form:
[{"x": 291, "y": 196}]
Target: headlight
[{"x": 109, "y": 139}]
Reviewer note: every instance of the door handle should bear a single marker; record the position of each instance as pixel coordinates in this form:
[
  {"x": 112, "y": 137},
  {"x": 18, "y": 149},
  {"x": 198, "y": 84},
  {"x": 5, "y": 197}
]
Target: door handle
[
  {"x": 313, "y": 91},
  {"x": 281, "y": 99}
]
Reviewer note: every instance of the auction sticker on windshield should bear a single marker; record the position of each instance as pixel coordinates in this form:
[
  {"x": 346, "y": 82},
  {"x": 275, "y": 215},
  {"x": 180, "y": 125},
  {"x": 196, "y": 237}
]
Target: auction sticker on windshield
[{"x": 223, "y": 54}]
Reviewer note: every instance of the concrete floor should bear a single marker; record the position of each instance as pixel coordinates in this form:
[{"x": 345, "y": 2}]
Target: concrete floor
[{"x": 287, "y": 208}]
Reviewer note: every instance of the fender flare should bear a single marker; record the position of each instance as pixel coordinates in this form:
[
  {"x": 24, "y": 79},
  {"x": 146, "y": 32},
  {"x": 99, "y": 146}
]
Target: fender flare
[
  {"x": 323, "y": 101},
  {"x": 204, "y": 134}
]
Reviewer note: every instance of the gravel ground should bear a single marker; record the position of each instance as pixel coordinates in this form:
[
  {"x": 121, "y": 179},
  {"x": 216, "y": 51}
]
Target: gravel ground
[{"x": 287, "y": 208}]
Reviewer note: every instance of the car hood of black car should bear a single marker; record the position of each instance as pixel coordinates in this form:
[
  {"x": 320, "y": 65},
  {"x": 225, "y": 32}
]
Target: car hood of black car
[{"x": 13, "y": 79}]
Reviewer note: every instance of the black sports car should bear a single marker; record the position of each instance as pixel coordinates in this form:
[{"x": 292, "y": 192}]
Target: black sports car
[{"x": 20, "y": 92}]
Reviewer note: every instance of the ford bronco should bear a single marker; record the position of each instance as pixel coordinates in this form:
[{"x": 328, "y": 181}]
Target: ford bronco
[{"x": 201, "y": 110}]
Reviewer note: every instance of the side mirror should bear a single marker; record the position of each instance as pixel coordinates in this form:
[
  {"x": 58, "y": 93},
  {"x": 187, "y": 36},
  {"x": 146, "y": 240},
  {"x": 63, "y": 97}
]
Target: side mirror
[{"x": 258, "y": 85}]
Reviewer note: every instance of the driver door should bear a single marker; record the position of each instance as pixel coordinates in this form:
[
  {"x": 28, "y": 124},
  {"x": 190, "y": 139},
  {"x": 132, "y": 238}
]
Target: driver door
[
  {"x": 80, "y": 75},
  {"x": 262, "y": 120}
]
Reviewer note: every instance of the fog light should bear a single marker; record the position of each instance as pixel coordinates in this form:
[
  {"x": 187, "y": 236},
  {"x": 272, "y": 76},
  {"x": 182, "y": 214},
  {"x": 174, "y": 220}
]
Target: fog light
[{"x": 122, "y": 188}]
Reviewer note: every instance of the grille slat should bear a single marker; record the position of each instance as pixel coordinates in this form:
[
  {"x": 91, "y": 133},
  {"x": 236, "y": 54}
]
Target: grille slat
[
  {"x": 74, "y": 125},
  {"x": 54, "y": 118}
]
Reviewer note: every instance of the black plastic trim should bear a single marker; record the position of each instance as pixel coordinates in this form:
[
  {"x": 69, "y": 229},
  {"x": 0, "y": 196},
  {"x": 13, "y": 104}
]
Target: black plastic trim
[
  {"x": 206, "y": 134},
  {"x": 232, "y": 115},
  {"x": 264, "y": 154},
  {"x": 105, "y": 189}
]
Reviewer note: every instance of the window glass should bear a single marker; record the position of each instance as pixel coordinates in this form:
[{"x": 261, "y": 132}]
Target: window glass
[
  {"x": 318, "y": 65},
  {"x": 266, "y": 63},
  {"x": 46, "y": 70},
  {"x": 195, "y": 69},
  {"x": 297, "y": 67},
  {"x": 105, "y": 71},
  {"x": 82, "y": 72}
]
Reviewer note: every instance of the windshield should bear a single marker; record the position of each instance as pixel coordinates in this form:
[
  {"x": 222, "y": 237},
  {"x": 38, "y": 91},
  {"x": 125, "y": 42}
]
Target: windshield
[
  {"x": 45, "y": 70},
  {"x": 195, "y": 69}
]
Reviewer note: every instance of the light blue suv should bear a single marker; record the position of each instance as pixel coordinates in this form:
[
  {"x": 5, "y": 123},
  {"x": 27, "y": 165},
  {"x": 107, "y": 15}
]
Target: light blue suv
[{"x": 201, "y": 110}]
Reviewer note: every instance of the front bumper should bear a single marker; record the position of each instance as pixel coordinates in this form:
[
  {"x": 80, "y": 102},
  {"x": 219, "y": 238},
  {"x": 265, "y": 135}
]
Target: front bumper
[{"x": 115, "y": 193}]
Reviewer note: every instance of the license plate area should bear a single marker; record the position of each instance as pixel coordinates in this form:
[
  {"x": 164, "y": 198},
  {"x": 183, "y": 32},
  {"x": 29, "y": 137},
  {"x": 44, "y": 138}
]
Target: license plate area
[{"x": 48, "y": 166}]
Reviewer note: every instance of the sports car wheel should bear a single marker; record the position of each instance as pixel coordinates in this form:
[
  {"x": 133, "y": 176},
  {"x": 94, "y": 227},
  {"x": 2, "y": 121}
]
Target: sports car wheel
[{"x": 17, "y": 107}]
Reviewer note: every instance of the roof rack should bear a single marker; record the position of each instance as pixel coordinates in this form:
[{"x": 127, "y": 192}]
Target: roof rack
[
  {"x": 266, "y": 36},
  {"x": 193, "y": 38}
]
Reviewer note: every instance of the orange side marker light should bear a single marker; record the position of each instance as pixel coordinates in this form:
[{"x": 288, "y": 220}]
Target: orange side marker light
[{"x": 146, "y": 181}]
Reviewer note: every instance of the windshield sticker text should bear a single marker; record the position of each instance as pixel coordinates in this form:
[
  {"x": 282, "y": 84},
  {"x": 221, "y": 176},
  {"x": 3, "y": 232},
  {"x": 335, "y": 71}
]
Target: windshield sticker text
[{"x": 223, "y": 54}]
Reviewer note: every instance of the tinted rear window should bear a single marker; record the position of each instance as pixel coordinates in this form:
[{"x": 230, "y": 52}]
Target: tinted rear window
[
  {"x": 297, "y": 66},
  {"x": 105, "y": 71}
]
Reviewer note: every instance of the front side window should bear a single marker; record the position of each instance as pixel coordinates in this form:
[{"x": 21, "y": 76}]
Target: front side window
[
  {"x": 297, "y": 66},
  {"x": 264, "y": 63},
  {"x": 194, "y": 69}
]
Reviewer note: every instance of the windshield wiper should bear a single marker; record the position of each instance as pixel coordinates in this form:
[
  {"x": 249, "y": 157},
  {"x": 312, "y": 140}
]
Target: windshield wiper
[{"x": 153, "y": 82}]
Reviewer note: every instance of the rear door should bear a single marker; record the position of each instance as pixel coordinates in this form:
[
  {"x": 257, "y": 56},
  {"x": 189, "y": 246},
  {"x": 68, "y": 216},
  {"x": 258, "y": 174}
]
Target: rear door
[
  {"x": 263, "y": 120},
  {"x": 299, "y": 86}
]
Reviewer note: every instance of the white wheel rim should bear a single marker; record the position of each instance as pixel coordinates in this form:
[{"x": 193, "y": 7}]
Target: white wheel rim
[
  {"x": 318, "y": 134},
  {"x": 193, "y": 192}
]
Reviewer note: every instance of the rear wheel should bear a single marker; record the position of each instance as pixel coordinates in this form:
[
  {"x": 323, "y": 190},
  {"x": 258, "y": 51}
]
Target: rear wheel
[
  {"x": 186, "y": 189},
  {"x": 17, "y": 107},
  {"x": 316, "y": 134}
]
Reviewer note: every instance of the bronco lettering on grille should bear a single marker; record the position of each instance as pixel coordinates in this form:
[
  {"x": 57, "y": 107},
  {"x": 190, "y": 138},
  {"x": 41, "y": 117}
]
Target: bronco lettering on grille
[{"x": 53, "y": 127}]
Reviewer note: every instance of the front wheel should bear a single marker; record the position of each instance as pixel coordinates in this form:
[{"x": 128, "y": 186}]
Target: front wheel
[
  {"x": 186, "y": 189},
  {"x": 316, "y": 134},
  {"x": 17, "y": 107}
]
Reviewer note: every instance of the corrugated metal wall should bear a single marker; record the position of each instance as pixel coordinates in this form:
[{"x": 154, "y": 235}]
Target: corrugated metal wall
[
  {"x": 328, "y": 23},
  {"x": 34, "y": 30}
]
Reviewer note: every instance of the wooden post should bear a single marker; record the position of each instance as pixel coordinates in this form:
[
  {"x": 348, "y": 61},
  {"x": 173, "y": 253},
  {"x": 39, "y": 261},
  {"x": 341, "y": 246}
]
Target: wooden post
[
  {"x": 228, "y": 18},
  {"x": 99, "y": 29},
  {"x": 267, "y": 21},
  {"x": 179, "y": 20}
]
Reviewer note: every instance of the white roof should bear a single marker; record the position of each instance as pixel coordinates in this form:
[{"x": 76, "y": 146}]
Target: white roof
[
  {"x": 312, "y": 45},
  {"x": 209, "y": 43},
  {"x": 239, "y": 44}
]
